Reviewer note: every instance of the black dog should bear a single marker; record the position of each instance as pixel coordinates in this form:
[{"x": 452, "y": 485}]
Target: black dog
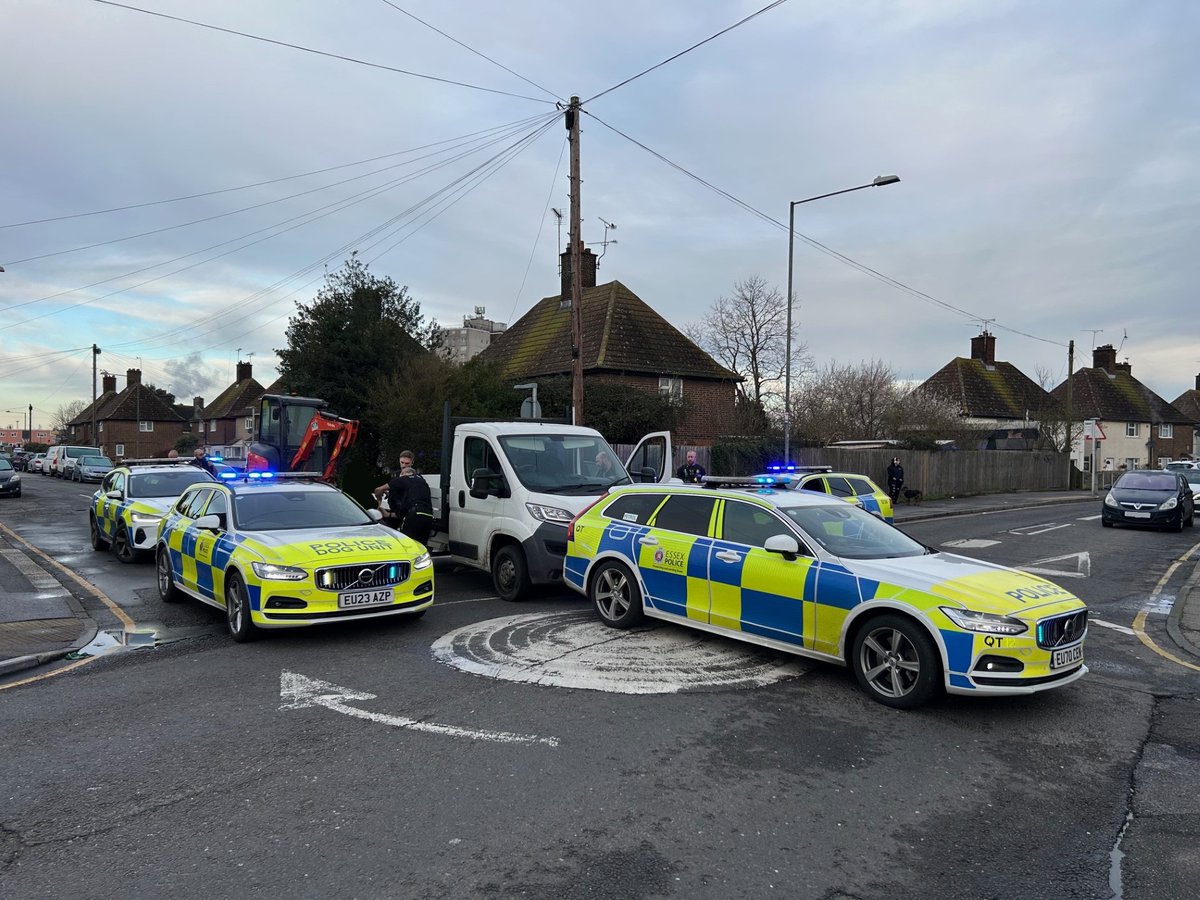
[{"x": 913, "y": 496}]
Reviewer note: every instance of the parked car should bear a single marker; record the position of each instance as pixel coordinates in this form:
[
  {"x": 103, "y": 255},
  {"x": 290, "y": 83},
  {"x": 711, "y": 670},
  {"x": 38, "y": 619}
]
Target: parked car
[
  {"x": 10, "y": 480},
  {"x": 35, "y": 463},
  {"x": 1193, "y": 480},
  {"x": 1150, "y": 497},
  {"x": 1181, "y": 465},
  {"x": 91, "y": 468},
  {"x": 850, "y": 486},
  {"x": 61, "y": 457}
]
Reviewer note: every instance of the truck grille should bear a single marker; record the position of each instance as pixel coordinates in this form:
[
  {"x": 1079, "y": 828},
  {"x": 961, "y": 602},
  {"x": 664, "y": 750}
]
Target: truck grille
[
  {"x": 373, "y": 575},
  {"x": 1062, "y": 630}
]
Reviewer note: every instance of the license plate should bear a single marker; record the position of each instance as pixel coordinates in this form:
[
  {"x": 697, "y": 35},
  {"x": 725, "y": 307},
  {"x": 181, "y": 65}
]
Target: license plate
[
  {"x": 353, "y": 599},
  {"x": 1137, "y": 515},
  {"x": 1066, "y": 656}
]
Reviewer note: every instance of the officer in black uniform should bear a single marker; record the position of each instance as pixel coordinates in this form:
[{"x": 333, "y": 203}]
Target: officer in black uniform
[
  {"x": 690, "y": 472},
  {"x": 201, "y": 461},
  {"x": 412, "y": 505}
]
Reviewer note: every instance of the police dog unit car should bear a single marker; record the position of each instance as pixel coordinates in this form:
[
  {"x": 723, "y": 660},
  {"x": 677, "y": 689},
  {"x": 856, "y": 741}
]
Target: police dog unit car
[
  {"x": 284, "y": 550},
  {"x": 812, "y": 575},
  {"x": 131, "y": 501}
]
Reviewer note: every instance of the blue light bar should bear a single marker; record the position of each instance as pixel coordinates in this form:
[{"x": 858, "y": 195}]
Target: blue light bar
[
  {"x": 779, "y": 467},
  {"x": 229, "y": 476},
  {"x": 266, "y": 475}
]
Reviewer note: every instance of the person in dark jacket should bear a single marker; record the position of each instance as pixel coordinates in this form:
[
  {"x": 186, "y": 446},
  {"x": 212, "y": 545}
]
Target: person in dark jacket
[
  {"x": 412, "y": 505},
  {"x": 895, "y": 479},
  {"x": 200, "y": 461},
  {"x": 690, "y": 472}
]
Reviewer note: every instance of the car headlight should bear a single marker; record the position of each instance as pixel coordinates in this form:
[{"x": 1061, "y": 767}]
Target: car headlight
[
  {"x": 1169, "y": 503},
  {"x": 272, "y": 572},
  {"x": 424, "y": 561},
  {"x": 1110, "y": 500},
  {"x": 14, "y": 479},
  {"x": 140, "y": 518},
  {"x": 550, "y": 514},
  {"x": 985, "y": 623}
]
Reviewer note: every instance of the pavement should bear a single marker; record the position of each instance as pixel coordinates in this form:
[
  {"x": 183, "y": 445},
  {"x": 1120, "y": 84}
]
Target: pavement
[{"x": 42, "y": 619}]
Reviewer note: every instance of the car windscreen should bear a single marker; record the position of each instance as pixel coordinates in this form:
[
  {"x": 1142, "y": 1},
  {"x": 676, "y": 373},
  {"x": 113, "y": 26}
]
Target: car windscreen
[
  {"x": 77, "y": 452},
  {"x": 5, "y": 465},
  {"x": 165, "y": 484},
  {"x": 1192, "y": 475},
  {"x": 95, "y": 462},
  {"x": 278, "y": 510},
  {"x": 848, "y": 531},
  {"x": 564, "y": 463},
  {"x": 1147, "y": 481}
]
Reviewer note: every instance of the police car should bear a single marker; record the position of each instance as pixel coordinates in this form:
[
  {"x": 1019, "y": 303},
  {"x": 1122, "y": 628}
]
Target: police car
[
  {"x": 131, "y": 500},
  {"x": 281, "y": 552},
  {"x": 813, "y": 575},
  {"x": 849, "y": 486}
]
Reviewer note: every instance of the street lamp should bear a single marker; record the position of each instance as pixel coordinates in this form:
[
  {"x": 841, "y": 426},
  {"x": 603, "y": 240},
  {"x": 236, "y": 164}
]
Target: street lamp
[{"x": 879, "y": 181}]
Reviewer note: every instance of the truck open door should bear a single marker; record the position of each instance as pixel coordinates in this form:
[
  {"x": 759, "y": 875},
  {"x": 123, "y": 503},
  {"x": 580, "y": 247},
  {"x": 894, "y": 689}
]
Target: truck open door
[{"x": 651, "y": 460}]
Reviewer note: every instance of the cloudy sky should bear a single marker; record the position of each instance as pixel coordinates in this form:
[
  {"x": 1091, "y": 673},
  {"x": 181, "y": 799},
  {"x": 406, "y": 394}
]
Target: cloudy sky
[{"x": 1046, "y": 148}]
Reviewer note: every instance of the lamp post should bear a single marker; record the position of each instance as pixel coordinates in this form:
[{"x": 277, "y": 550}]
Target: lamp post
[{"x": 879, "y": 181}]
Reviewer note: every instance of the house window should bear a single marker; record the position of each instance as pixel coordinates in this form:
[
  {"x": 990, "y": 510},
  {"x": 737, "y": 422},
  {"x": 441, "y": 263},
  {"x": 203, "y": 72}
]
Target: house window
[
  {"x": 119, "y": 450},
  {"x": 249, "y": 423},
  {"x": 1166, "y": 430},
  {"x": 145, "y": 426},
  {"x": 101, "y": 427},
  {"x": 1131, "y": 429},
  {"x": 671, "y": 388},
  {"x": 1087, "y": 464},
  {"x": 1131, "y": 463}
]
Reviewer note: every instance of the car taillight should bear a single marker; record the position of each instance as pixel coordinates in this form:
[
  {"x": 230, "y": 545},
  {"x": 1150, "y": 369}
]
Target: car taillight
[{"x": 571, "y": 527}]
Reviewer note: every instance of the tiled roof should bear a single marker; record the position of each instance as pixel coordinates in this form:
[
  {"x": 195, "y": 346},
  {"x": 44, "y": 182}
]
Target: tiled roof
[
  {"x": 234, "y": 400},
  {"x": 1188, "y": 403},
  {"x": 996, "y": 391},
  {"x": 139, "y": 403},
  {"x": 621, "y": 333},
  {"x": 85, "y": 417},
  {"x": 1118, "y": 397}
]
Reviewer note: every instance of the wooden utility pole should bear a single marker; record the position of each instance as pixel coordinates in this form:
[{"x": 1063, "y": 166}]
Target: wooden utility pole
[
  {"x": 1070, "y": 413},
  {"x": 576, "y": 239},
  {"x": 92, "y": 437}
]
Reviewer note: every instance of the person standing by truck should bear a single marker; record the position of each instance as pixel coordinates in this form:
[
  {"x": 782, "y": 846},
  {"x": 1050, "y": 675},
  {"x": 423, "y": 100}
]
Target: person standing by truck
[{"x": 409, "y": 501}]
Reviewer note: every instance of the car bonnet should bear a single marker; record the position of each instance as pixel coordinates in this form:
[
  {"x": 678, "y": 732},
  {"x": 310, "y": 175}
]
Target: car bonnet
[
  {"x": 976, "y": 585},
  {"x": 348, "y": 545}
]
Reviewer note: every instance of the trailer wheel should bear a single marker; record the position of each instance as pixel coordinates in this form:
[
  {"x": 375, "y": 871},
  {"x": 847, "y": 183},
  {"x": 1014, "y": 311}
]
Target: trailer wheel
[{"x": 510, "y": 574}]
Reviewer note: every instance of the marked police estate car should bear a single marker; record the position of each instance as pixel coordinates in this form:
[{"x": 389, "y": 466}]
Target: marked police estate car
[
  {"x": 276, "y": 552},
  {"x": 815, "y": 576},
  {"x": 850, "y": 486},
  {"x": 131, "y": 501}
]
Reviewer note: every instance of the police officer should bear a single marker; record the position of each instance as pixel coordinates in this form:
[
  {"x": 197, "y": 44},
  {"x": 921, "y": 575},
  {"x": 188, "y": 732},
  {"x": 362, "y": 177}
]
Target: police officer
[
  {"x": 200, "y": 461},
  {"x": 895, "y": 479},
  {"x": 690, "y": 472},
  {"x": 412, "y": 504}
]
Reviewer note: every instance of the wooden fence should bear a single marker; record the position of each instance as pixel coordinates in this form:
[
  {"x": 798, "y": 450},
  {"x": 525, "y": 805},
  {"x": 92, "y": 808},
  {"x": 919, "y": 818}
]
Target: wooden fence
[{"x": 947, "y": 473}]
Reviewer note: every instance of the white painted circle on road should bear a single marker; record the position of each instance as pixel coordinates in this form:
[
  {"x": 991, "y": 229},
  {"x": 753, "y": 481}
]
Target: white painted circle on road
[{"x": 574, "y": 650}]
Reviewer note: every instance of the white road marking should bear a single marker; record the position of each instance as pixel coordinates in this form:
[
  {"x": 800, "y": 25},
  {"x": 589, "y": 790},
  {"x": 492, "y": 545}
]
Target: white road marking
[
  {"x": 1114, "y": 626},
  {"x": 574, "y": 650},
  {"x": 468, "y": 600},
  {"x": 1087, "y": 519},
  {"x": 299, "y": 691},
  {"x": 971, "y": 543},
  {"x": 1031, "y": 530},
  {"x": 1082, "y": 567}
]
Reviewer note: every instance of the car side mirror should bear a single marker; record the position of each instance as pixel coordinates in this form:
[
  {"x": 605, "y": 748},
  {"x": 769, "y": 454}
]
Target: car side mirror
[
  {"x": 374, "y": 515},
  {"x": 648, "y": 475},
  {"x": 783, "y": 544},
  {"x": 484, "y": 483},
  {"x": 211, "y": 522},
  {"x": 115, "y": 495}
]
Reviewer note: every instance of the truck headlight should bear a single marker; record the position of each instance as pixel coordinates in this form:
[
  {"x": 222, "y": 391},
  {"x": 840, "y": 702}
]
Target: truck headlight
[
  {"x": 1169, "y": 503},
  {"x": 424, "y": 561},
  {"x": 984, "y": 623},
  {"x": 1110, "y": 500},
  {"x": 551, "y": 514},
  {"x": 272, "y": 572}
]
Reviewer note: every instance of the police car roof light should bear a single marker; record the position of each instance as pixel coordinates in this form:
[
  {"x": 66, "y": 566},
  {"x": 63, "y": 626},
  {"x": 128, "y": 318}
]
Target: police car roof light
[
  {"x": 160, "y": 461},
  {"x": 228, "y": 476},
  {"x": 753, "y": 481}
]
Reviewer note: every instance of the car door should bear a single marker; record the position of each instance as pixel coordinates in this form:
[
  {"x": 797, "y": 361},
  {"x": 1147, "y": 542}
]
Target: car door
[
  {"x": 109, "y": 508},
  {"x": 472, "y": 516},
  {"x": 651, "y": 459},
  {"x": 866, "y": 495},
  {"x": 212, "y": 503},
  {"x": 755, "y": 591},
  {"x": 673, "y": 556},
  {"x": 188, "y": 538}
]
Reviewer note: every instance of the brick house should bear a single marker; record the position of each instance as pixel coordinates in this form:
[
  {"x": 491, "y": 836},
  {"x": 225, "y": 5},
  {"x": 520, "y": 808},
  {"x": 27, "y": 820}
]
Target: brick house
[
  {"x": 1188, "y": 403},
  {"x": 135, "y": 422},
  {"x": 1141, "y": 429},
  {"x": 228, "y": 422},
  {"x": 624, "y": 341},
  {"x": 993, "y": 395}
]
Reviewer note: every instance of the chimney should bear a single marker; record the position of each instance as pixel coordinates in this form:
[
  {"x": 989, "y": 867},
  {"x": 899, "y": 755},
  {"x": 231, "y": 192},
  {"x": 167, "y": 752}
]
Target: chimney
[
  {"x": 587, "y": 260},
  {"x": 1105, "y": 358},
  {"x": 197, "y": 406},
  {"x": 132, "y": 377},
  {"x": 1125, "y": 367},
  {"x": 983, "y": 347},
  {"x": 1198, "y": 382},
  {"x": 243, "y": 371},
  {"x": 108, "y": 384}
]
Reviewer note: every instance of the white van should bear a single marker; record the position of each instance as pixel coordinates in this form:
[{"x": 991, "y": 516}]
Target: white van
[{"x": 61, "y": 458}]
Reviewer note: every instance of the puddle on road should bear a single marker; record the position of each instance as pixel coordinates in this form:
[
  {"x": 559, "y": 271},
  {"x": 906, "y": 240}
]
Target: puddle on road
[{"x": 1115, "y": 856}]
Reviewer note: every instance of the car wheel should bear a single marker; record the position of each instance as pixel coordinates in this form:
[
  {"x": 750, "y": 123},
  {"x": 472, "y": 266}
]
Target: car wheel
[
  {"x": 237, "y": 610},
  {"x": 98, "y": 541},
  {"x": 615, "y": 595},
  {"x": 1191, "y": 519},
  {"x": 167, "y": 591},
  {"x": 510, "y": 574},
  {"x": 1178, "y": 526},
  {"x": 123, "y": 548},
  {"x": 1106, "y": 523},
  {"x": 896, "y": 662}
]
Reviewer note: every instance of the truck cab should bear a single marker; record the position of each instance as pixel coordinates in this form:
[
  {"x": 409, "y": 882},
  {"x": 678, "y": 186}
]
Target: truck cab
[{"x": 511, "y": 488}]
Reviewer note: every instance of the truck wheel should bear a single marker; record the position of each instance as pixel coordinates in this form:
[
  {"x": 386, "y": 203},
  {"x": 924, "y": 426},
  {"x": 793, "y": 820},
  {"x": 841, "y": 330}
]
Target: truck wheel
[{"x": 510, "y": 575}]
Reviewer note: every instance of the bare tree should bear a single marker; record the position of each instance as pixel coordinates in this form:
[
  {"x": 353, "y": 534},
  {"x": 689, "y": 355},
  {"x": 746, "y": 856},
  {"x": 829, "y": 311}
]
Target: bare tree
[
  {"x": 747, "y": 333},
  {"x": 66, "y": 413},
  {"x": 1055, "y": 433}
]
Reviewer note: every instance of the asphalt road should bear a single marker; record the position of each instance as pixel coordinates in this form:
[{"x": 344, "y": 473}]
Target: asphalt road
[{"x": 357, "y": 761}]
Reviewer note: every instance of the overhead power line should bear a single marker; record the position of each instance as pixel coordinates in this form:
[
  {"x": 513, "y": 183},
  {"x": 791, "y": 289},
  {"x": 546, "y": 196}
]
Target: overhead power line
[
  {"x": 712, "y": 37},
  {"x": 817, "y": 245},
  {"x": 471, "y": 49},
  {"x": 350, "y": 59}
]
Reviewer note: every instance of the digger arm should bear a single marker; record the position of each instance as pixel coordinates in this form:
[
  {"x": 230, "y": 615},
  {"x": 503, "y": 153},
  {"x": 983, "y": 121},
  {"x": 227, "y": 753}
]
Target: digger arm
[{"x": 323, "y": 423}]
